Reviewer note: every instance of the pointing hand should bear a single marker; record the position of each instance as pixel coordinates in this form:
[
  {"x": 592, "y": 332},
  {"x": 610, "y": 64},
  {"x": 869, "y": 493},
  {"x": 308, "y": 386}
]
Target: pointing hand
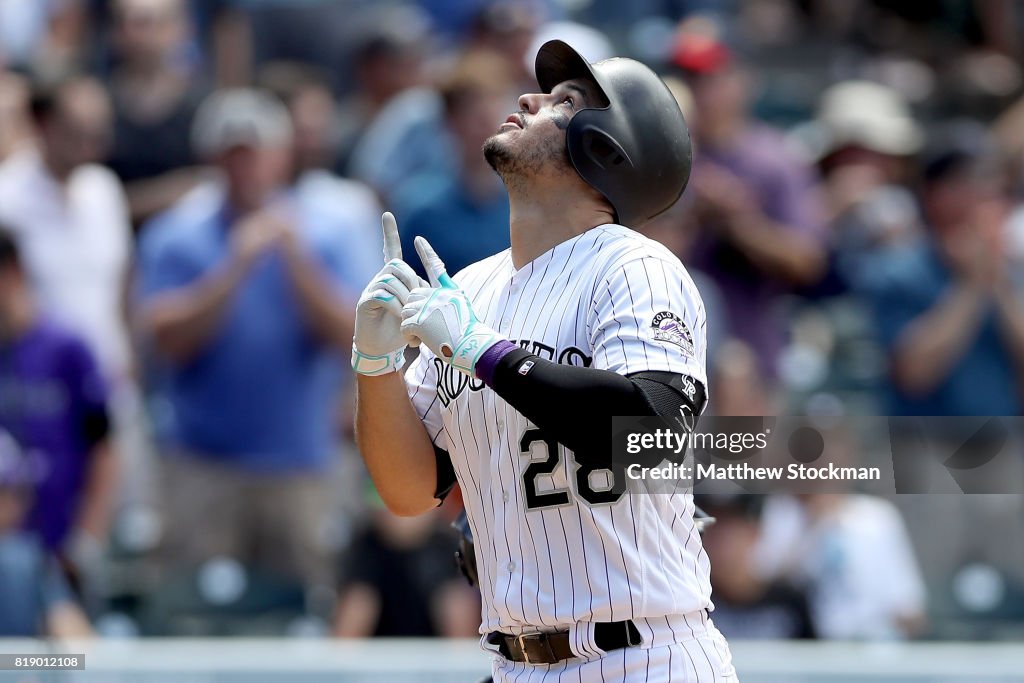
[
  {"x": 442, "y": 318},
  {"x": 379, "y": 347}
]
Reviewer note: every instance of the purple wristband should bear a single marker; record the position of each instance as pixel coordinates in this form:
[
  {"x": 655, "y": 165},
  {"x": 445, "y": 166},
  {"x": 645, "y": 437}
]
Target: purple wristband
[{"x": 488, "y": 362}]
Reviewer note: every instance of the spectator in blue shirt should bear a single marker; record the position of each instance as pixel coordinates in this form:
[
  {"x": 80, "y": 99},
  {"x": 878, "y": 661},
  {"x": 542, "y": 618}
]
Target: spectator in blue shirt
[
  {"x": 947, "y": 309},
  {"x": 244, "y": 304},
  {"x": 352, "y": 207},
  {"x": 464, "y": 212}
]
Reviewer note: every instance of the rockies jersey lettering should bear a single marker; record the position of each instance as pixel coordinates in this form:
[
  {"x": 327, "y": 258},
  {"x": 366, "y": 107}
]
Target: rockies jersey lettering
[
  {"x": 451, "y": 382},
  {"x": 554, "y": 544}
]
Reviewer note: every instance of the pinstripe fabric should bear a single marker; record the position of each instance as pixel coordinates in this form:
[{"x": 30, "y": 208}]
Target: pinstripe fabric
[{"x": 547, "y": 558}]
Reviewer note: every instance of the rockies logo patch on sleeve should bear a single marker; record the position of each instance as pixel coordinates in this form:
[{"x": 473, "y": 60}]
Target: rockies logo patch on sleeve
[{"x": 669, "y": 327}]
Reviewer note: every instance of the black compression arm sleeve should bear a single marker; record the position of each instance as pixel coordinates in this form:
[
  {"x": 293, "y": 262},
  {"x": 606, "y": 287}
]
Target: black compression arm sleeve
[{"x": 572, "y": 404}]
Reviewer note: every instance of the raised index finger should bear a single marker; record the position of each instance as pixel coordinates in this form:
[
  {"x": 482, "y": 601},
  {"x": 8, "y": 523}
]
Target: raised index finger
[
  {"x": 433, "y": 264},
  {"x": 392, "y": 242}
]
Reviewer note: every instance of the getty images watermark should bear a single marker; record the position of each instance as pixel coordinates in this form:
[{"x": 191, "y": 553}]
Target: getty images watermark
[
  {"x": 677, "y": 443},
  {"x": 880, "y": 455}
]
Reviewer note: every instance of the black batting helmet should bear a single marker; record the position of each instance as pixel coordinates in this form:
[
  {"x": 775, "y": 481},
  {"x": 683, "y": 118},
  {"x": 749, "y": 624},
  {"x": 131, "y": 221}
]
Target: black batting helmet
[{"x": 636, "y": 150}]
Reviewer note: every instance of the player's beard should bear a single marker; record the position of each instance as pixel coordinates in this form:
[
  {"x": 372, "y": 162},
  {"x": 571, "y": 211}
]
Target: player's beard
[{"x": 517, "y": 163}]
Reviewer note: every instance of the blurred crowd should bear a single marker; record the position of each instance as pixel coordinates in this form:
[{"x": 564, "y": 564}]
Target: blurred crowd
[{"x": 190, "y": 200}]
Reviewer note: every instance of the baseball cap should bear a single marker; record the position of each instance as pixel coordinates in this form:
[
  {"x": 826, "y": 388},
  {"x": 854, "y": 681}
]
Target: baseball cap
[
  {"x": 698, "y": 53},
  {"x": 242, "y": 117},
  {"x": 391, "y": 30},
  {"x": 869, "y": 115}
]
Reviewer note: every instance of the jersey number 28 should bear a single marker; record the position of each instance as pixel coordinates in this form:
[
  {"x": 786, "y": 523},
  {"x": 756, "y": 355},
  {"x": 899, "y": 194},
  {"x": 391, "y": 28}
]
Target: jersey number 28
[{"x": 534, "y": 441}]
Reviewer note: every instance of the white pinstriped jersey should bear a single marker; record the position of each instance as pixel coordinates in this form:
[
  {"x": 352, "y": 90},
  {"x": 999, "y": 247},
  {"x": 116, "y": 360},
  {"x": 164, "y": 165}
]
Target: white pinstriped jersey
[{"x": 551, "y": 550}]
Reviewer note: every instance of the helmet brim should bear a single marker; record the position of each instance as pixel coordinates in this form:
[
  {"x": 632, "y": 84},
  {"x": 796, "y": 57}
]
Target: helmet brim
[{"x": 557, "y": 62}]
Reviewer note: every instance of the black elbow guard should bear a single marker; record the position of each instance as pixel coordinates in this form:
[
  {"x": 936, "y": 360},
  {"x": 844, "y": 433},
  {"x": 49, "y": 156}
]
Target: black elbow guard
[
  {"x": 445, "y": 474},
  {"x": 671, "y": 396}
]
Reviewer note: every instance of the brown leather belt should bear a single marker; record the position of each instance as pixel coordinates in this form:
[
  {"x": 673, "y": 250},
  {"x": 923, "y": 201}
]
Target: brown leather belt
[{"x": 551, "y": 648}]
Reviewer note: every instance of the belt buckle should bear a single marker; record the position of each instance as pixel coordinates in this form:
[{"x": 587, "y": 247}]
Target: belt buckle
[{"x": 520, "y": 641}]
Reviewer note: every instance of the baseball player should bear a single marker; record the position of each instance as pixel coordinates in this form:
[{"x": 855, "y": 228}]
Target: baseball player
[{"x": 525, "y": 357}]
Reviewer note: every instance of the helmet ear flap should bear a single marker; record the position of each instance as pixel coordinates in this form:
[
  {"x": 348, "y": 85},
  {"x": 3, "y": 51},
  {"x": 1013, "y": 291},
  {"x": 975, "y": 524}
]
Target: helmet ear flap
[
  {"x": 602, "y": 150},
  {"x": 633, "y": 148}
]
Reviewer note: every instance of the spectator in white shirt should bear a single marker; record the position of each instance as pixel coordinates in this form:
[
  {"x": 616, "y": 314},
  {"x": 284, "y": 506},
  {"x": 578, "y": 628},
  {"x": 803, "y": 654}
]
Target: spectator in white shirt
[
  {"x": 853, "y": 555},
  {"x": 70, "y": 220}
]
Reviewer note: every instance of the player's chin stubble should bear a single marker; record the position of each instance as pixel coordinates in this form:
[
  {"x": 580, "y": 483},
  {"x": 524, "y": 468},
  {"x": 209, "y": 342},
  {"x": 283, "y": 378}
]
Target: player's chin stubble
[
  {"x": 498, "y": 155},
  {"x": 516, "y": 163}
]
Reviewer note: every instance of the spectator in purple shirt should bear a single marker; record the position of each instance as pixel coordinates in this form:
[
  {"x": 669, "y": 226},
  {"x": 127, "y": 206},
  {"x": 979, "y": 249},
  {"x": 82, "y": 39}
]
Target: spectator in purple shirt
[
  {"x": 53, "y": 402},
  {"x": 34, "y": 597},
  {"x": 757, "y": 203}
]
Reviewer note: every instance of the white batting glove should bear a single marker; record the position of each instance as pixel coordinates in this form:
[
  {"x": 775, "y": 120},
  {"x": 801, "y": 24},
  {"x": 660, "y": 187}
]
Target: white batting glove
[
  {"x": 378, "y": 346},
  {"x": 442, "y": 318}
]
